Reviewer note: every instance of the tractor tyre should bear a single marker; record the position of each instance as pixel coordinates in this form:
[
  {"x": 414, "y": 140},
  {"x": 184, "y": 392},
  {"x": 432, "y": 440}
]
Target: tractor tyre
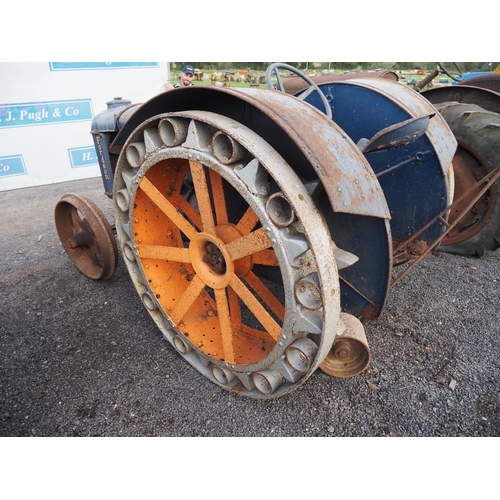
[{"x": 478, "y": 135}]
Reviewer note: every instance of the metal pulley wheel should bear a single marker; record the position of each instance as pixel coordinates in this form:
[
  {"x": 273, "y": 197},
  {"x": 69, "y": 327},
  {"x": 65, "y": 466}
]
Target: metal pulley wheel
[
  {"x": 86, "y": 236},
  {"x": 350, "y": 354},
  {"x": 228, "y": 251}
]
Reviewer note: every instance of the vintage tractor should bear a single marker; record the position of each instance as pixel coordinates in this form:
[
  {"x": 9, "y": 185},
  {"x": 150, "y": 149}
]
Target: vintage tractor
[{"x": 258, "y": 229}]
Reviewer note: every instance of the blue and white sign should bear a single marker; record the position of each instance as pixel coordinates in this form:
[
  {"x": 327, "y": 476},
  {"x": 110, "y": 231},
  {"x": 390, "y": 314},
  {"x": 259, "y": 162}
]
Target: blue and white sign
[
  {"x": 44, "y": 113},
  {"x": 82, "y": 157},
  {"x": 73, "y": 66},
  {"x": 12, "y": 165}
]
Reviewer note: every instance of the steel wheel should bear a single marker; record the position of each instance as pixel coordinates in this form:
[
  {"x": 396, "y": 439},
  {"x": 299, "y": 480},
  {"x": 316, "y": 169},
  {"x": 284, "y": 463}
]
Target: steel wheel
[
  {"x": 228, "y": 252},
  {"x": 86, "y": 236}
]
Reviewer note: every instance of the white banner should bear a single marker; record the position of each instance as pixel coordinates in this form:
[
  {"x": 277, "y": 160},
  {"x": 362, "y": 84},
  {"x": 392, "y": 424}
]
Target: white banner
[{"x": 46, "y": 110}]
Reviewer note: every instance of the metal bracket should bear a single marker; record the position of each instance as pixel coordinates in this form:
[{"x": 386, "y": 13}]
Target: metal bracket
[{"x": 396, "y": 135}]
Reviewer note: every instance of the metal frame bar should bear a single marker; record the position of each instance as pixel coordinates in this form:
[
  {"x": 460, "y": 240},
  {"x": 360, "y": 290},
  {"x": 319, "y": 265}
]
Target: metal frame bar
[{"x": 400, "y": 250}]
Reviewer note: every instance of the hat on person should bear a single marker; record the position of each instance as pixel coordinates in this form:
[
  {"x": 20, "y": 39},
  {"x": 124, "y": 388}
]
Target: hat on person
[{"x": 188, "y": 69}]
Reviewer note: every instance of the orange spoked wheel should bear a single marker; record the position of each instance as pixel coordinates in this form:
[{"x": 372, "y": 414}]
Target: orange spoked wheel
[{"x": 228, "y": 251}]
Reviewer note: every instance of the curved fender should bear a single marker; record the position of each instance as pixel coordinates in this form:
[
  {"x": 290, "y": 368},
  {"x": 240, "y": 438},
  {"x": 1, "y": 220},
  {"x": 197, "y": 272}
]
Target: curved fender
[
  {"x": 311, "y": 143},
  {"x": 465, "y": 94}
]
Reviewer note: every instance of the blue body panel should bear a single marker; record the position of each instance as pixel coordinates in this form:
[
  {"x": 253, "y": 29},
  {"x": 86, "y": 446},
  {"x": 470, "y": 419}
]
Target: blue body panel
[{"x": 414, "y": 176}]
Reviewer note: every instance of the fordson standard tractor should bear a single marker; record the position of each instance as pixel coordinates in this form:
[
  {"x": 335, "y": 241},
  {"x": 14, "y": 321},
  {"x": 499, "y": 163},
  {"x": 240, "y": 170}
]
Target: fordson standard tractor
[{"x": 258, "y": 228}]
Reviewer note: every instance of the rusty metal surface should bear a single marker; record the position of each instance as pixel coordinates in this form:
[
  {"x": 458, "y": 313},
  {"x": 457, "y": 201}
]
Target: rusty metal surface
[
  {"x": 409, "y": 253},
  {"x": 465, "y": 94},
  {"x": 473, "y": 115},
  {"x": 86, "y": 236},
  {"x": 232, "y": 339},
  {"x": 312, "y": 144},
  {"x": 352, "y": 201},
  {"x": 295, "y": 84},
  {"x": 365, "y": 285},
  {"x": 344, "y": 172},
  {"x": 350, "y": 354},
  {"x": 490, "y": 81},
  {"x": 468, "y": 171},
  {"x": 395, "y": 136},
  {"x": 416, "y": 175}
]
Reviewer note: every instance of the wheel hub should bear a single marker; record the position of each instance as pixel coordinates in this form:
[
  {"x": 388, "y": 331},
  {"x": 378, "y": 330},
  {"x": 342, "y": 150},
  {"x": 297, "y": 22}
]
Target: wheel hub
[{"x": 211, "y": 260}]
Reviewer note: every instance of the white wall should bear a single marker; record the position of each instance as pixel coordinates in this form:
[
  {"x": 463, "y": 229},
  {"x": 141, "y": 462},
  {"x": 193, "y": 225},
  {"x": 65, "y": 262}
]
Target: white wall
[{"x": 46, "y": 110}]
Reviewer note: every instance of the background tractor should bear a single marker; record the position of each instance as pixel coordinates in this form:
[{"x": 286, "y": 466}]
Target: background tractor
[{"x": 471, "y": 107}]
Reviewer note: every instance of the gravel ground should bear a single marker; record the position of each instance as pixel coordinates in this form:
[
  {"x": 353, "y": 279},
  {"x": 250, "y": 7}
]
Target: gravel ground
[{"x": 83, "y": 358}]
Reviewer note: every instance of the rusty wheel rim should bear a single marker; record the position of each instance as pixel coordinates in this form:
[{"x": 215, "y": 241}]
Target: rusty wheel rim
[
  {"x": 203, "y": 225},
  {"x": 86, "y": 236},
  {"x": 469, "y": 169}
]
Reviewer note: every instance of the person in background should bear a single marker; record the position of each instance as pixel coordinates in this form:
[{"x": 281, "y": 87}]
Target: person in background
[{"x": 186, "y": 77}]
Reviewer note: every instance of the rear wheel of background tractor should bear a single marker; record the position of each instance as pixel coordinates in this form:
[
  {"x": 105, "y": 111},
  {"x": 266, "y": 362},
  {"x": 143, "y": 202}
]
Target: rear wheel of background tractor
[
  {"x": 478, "y": 134},
  {"x": 206, "y": 211}
]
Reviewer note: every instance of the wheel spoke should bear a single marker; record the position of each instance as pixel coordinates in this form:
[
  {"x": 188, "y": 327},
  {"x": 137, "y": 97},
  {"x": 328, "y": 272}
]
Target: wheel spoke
[
  {"x": 190, "y": 295},
  {"x": 225, "y": 324},
  {"x": 188, "y": 210},
  {"x": 219, "y": 198},
  {"x": 93, "y": 252},
  {"x": 266, "y": 258},
  {"x": 266, "y": 295},
  {"x": 265, "y": 319},
  {"x": 203, "y": 197},
  {"x": 249, "y": 244},
  {"x": 76, "y": 219},
  {"x": 248, "y": 221},
  {"x": 162, "y": 252},
  {"x": 167, "y": 208},
  {"x": 234, "y": 307}
]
